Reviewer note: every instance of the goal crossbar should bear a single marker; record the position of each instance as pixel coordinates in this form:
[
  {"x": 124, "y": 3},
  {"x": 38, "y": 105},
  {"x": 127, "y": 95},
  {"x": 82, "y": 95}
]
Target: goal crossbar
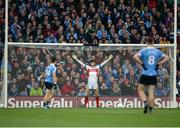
[{"x": 79, "y": 44}]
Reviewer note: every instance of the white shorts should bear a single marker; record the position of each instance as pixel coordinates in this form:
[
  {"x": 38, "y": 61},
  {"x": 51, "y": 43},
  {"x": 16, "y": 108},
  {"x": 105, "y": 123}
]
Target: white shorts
[{"x": 92, "y": 85}]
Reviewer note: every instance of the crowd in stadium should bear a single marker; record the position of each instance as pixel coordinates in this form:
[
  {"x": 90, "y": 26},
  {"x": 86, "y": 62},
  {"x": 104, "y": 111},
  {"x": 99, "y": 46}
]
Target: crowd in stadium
[
  {"x": 2, "y": 38},
  {"x": 2, "y": 29},
  {"x": 83, "y": 21},
  {"x": 90, "y": 21},
  {"x": 118, "y": 78}
]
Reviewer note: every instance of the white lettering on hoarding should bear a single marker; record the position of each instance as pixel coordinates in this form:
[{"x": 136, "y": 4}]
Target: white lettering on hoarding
[
  {"x": 165, "y": 104},
  {"x": 120, "y": 103},
  {"x": 68, "y": 103},
  {"x": 134, "y": 103},
  {"x": 13, "y": 103}
]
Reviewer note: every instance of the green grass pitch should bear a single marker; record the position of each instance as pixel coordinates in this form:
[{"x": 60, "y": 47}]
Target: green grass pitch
[{"x": 83, "y": 117}]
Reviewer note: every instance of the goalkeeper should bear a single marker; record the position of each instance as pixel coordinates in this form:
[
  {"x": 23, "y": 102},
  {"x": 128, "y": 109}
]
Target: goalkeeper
[
  {"x": 50, "y": 81},
  {"x": 93, "y": 72},
  {"x": 150, "y": 58}
]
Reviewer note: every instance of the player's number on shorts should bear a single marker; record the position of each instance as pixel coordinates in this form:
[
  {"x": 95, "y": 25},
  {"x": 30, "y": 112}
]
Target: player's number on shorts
[{"x": 151, "y": 60}]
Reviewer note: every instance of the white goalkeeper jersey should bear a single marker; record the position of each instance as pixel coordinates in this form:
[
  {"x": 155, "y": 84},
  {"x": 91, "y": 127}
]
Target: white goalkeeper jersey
[{"x": 93, "y": 73}]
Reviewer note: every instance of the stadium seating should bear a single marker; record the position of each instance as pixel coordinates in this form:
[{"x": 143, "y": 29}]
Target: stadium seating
[
  {"x": 118, "y": 78},
  {"x": 94, "y": 21}
]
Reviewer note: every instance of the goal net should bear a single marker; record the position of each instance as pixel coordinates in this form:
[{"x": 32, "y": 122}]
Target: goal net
[{"x": 117, "y": 80}]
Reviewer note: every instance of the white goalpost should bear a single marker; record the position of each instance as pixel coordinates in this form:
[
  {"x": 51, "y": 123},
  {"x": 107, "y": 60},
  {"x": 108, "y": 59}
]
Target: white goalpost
[
  {"x": 5, "y": 57},
  {"x": 172, "y": 53}
]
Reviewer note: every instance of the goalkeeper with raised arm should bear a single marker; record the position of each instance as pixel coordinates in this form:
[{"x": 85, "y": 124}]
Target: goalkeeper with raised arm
[
  {"x": 50, "y": 81},
  {"x": 93, "y": 72},
  {"x": 150, "y": 58}
]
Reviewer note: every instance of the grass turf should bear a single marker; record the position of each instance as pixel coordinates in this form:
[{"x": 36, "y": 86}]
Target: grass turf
[{"x": 81, "y": 117}]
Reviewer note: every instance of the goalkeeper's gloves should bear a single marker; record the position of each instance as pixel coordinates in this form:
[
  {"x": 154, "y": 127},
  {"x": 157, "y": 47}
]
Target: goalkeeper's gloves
[
  {"x": 144, "y": 67},
  {"x": 157, "y": 66}
]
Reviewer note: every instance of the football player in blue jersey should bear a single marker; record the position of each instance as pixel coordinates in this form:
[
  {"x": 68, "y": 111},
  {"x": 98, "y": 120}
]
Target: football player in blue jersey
[
  {"x": 50, "y": 81},
  {"x": 150, "y": 58}
]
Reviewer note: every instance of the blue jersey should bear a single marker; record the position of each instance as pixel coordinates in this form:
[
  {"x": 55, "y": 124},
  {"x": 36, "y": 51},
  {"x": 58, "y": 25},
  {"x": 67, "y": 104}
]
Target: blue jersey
[
  {"x": 150, "y": 57},
  {"x": 50, "y": 69}
]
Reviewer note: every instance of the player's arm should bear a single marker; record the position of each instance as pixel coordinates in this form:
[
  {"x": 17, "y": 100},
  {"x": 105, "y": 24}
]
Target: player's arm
[
  {"x": 110, "y": 57},
  {"x": 137, "y": 58},
  {"x": 41, "y": 76},
  {"x": 47, "y": 52},
  {"x": 164, "y": 59},
  {"x": 54, "y": 80},
  {"x": 80, "y": 62}
]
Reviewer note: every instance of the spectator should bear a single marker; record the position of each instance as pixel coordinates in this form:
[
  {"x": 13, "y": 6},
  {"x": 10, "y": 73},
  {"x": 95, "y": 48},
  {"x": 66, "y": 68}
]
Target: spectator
[
  {"x": 27, "y": 65},
  {"x": 161, "y": 90},
  {"x": 89, "y": 20},
  {"x": 163, "y": 73},
  {"x": 39, "y": 70},
  {"x": 163, "y": 40},
  {"x": 126, "y": 88},
  {"x": 125, "y": 68},
  {"x": 24, "y": 92},
  {"x": 13, "y": 88},
  {"x": 2, "y": 30},
  {"x": 36, "y": 90},
  {"x": 30, "y": 84},
  {"x": 81, "y": 92},
  {"x": 116, "y": 90},
  {"x": 51, "y": 39},
  {"x": 67, "y": 89},
  {"x": 2, "y": 22},
  {"x": 103, "y": 90}
]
